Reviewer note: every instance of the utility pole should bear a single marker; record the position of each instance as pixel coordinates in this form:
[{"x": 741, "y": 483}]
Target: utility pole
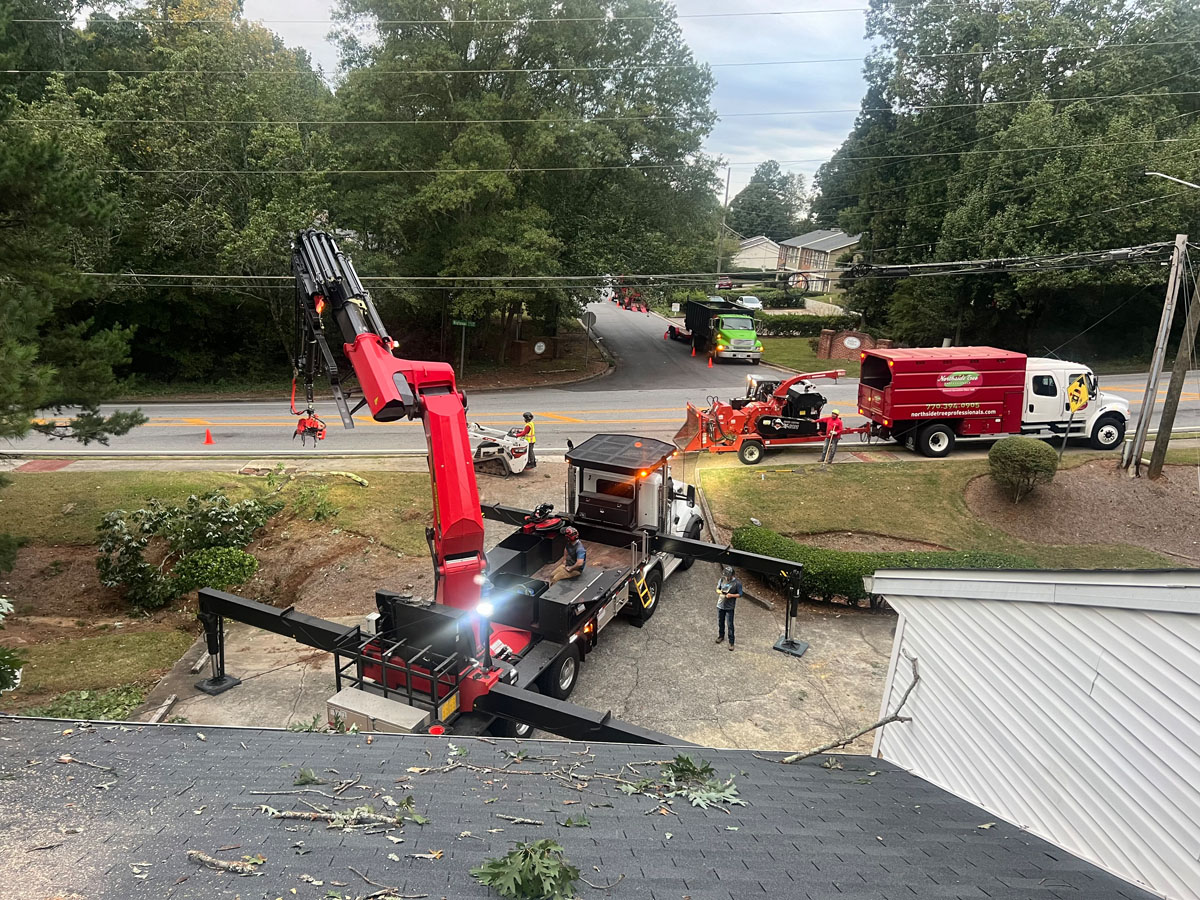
[
  {"x": 1160, "y": 352},
  {"x": 724, "y": 212},
  {"x": 1178, "y": 375}
]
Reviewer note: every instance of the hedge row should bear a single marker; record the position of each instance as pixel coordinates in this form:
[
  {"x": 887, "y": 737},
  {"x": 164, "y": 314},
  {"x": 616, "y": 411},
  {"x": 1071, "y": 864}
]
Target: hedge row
[
  {"x": 840, "y": 573},
  {"x": 802, "y": 326}
]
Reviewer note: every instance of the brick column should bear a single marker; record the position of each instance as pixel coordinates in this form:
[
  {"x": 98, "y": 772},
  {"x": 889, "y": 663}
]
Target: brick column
[{"x": 825, "y": 343}]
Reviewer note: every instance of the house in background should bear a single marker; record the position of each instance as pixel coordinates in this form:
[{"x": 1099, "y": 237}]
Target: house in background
[
  {"x": 815, "y": 254},
  {"x": 758, "y": 253}
]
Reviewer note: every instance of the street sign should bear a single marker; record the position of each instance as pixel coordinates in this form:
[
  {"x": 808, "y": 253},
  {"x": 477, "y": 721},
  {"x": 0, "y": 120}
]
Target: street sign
[
  {"x": 1077, "y": 394},
  {"x": 674, "y": 307},
  {"x": 463, "y": 322},
  {"x": 589, "y": 319},
  {"x": 539, "y": 348}
]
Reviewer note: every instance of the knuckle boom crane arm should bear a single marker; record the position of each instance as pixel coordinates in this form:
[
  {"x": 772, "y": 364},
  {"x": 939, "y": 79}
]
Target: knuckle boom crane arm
[{"x": 394, "y": 388}]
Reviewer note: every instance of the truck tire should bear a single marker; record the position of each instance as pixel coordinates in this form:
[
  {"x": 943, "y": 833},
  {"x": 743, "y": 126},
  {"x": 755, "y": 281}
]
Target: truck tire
[
  {"x": 692, "y": 533},
  {"x": 755, "y": 362},
  {"x": 1108, "y": 433},
  {"x": 751, "y": 452},
  {"x": 935, "y": 441},
  {"x": 654, "y": 582},
  {"x": 560, "y": 679},
  {"x": 672, "y": 332},
  {"x": 510, "y": 729}
]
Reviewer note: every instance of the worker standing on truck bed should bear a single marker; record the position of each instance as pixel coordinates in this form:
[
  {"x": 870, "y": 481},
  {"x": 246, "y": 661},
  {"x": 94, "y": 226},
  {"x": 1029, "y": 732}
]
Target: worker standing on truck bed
[
  {"x": 574, "y": 557},
  {"x": 834, "y": 426},
  {"x": 530, "y": 435},
  {"x": 729, "y": 588}
]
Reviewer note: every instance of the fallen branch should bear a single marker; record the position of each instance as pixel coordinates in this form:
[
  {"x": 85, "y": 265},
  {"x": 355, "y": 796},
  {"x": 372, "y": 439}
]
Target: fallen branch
[
  {"x": 237, "y": 867},
  {"x": 349, "y": 817},
  {"x": 68, "y": 758},
  {"x": 886, "y": 720},
  {"x": 388, "y": 891},
  {"x": 305, "y": 791},
  {"x": 518, "y": 820},
  {"x": 603, "y": 887}
]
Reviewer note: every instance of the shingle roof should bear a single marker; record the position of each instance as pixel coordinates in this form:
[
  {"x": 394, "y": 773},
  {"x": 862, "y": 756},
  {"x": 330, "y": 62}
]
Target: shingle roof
[
  {"x": 755, "y": 241},
  {"x": 823, "y": 239},
  {"x": 866, "y": 830}
]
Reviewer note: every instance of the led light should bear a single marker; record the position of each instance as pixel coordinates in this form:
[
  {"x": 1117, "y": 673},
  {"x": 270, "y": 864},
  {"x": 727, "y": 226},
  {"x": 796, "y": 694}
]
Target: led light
[
  {"x": 643, "y": 473},
  {"x": 720, "y": 347},
  {"x": 891, "y": 363},
  {"x": 485, "y": 609},
  {"x": 862, "y": 356}
]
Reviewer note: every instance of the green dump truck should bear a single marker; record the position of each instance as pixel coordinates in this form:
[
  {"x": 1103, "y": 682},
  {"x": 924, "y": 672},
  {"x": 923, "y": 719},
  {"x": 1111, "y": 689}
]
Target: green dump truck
[{"x": 721, "y": 328}]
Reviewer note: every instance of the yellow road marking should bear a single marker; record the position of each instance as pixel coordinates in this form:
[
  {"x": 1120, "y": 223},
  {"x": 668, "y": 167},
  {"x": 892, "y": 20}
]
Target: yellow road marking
[{"x": 547, "y": 415}]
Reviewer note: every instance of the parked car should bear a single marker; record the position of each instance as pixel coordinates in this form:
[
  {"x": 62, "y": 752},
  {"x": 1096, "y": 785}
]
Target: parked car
[
  {"x": 748, "y": 302},
  {"x": 725, "y": 284}
]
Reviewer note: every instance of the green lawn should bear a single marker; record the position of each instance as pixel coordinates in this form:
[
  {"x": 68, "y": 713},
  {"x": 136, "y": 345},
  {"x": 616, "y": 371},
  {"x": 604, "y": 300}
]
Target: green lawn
[
  {"x": 66, "y": 507},
  {"x": 916, "y": 501},
  {"x": 95, "y": 664},
  {"x": 797, "y": 353}
]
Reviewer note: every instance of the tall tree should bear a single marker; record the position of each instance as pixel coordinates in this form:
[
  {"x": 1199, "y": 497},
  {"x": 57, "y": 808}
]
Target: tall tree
[
  {"x": 552, "y": 147},
  {"x": 972, "y": 145},
  {"x": 772, "y": 203},
  {"x": 53, "y": 214}
]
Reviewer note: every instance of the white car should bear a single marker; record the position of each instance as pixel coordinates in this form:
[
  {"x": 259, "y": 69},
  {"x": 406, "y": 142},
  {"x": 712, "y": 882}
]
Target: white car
[{"x": 748, "y": 302}]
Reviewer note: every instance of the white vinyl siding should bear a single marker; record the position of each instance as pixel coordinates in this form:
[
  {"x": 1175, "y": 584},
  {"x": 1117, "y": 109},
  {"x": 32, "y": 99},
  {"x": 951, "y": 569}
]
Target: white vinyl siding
[{"x": 1067, "y": 703}]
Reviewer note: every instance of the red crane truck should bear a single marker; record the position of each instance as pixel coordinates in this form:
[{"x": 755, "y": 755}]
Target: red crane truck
[
  {"x": 930, "y": 398},
  {"x": 497, "y": 647}
]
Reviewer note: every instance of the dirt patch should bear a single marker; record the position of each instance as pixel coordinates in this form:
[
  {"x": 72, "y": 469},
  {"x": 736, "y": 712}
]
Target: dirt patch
[
  {"x": 861, "y": 540},
  {"x": 1097, "y": 503}
]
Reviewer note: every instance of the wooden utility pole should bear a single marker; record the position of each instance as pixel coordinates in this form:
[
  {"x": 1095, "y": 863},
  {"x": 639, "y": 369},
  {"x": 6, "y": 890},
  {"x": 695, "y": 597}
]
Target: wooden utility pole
[
  {"x": 724, "y": 212},
  {"x": 1178, "y": 375},
  {"x": 1160, "y": 351}
]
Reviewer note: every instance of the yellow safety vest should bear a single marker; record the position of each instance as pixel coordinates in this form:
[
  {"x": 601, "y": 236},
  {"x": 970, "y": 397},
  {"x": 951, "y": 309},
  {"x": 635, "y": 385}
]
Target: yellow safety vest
[{"x": 532, "y": 436}]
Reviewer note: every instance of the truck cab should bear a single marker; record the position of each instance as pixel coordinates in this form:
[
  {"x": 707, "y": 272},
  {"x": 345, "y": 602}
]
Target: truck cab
[
  {"x": 1048, "y": 414},
  {"x": 734, "y": 337}
]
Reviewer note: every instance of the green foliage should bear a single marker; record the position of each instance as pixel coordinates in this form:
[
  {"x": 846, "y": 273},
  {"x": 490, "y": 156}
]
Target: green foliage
[
  {"x": 531, "y": 871},
  {"x": 962, "y": 151},
  {"x": 802, "y": 326},
  {"x": 694, "y": 781},
  {"x": 203, "y": 523},
  {"x": 321, "y": 725},
  {"x": 1019, "y": 464},
  {"x": 113, "y": 704},
  {"x": 215, "y": 567},
  {"x": 306, "y": 777},
  {"x": 772, "y": 203},
  {"x": 839, "y": 573},
  {"x": 10, "y": 660},
  {"x": 312, "y": 500},
  {"x": 9, "y": 546}
]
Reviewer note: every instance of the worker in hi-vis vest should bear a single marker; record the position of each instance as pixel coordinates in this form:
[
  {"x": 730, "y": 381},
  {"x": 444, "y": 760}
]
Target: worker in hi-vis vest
[{"x": 530, "y": 435}]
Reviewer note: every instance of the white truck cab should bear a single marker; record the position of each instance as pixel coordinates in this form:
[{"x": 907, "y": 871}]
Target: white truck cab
[{"x": 1103, "y": 419}]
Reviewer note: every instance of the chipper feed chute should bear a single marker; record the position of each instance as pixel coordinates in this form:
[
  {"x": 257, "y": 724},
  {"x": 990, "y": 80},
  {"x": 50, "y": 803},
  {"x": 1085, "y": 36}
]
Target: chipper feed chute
[{"x": 687, "y": 438}]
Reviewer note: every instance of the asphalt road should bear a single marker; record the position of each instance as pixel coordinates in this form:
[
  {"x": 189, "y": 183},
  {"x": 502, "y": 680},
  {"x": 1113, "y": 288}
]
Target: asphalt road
[{"x": 646, "y": 395}]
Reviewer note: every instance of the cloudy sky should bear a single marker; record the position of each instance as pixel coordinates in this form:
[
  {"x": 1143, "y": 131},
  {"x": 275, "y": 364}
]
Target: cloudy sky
[{"x": 743, "y": 141}]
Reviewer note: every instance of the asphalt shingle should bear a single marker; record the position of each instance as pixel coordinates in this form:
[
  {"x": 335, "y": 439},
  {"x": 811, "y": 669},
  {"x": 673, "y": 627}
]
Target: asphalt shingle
[{"x": 806, "y": 831}]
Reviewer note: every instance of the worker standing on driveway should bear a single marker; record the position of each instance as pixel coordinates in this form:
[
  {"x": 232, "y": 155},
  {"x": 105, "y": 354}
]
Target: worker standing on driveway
[
  {"x": 834, "y": 426},
  {"x": 530, "y": 435},
  {"x": 574, "y": 557},
  {"x": 729, "y": 588}
]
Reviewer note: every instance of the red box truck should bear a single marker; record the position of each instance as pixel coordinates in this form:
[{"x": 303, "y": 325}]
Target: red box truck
[{"x": 930, "y": 397}]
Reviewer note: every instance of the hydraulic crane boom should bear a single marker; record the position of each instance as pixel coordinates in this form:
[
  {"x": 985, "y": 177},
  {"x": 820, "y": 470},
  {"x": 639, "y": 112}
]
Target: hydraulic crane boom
[{"x": 394, "y": 388}]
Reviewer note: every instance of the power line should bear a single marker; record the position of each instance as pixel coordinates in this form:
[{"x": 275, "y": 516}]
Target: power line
[
  {"x": 556, "y": 20},
  {"x": 652, "y": 117},
  {"x": 627, "y": 168},
  {"x": 633, "y": 67}
]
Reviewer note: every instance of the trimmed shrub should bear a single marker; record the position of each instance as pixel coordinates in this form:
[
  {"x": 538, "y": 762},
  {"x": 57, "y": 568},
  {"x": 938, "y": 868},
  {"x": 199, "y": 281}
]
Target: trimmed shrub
[
  {"x": 801, "y": 326},
  {"x": 217, "y": 567},
  {"x": 1019, "y": 464},
  {"x": 840, "y": 573}
]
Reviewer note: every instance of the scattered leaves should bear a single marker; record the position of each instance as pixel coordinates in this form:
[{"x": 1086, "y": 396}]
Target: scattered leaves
[
  {"x": 832, "y": 763},
  {"x": 306, "y": 777},
  {"x": 393, "y": 857},
  {"x": 432, "y": 854},
  {"x": 580, "y": 821},
  {"x": 986, "y": 825},
  {"x": 530, "y": 871}
]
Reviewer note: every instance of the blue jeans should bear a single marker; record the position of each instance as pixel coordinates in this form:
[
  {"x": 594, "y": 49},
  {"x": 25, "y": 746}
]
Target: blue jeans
[{"x": 724, "y": 615}]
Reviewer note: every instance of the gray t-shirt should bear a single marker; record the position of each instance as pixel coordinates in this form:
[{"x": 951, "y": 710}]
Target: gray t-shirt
[
  {"x": 576, "y": 553},
  {"x": 732, "y": 586}
]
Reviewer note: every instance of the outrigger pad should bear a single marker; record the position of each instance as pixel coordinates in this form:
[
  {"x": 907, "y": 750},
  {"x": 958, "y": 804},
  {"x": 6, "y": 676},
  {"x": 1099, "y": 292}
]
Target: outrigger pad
[
  {"x": 791, "y": 647},
  {"x": 214, "y": 686}
]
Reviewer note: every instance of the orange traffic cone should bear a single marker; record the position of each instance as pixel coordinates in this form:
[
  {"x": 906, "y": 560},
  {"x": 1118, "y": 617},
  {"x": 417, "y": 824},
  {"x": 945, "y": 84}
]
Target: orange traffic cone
[
  {"x": 208, "y": 437},
  {"x": 693, "y": 349},
  {"x": 710, "y": 362},
  {"x": 665, "y": 335}
]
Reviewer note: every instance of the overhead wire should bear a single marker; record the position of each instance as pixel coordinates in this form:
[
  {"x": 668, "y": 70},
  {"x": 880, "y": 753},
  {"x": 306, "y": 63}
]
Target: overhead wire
[
  {"x": 631, "y": 67},
  {"x": 542, "y": 120}
]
